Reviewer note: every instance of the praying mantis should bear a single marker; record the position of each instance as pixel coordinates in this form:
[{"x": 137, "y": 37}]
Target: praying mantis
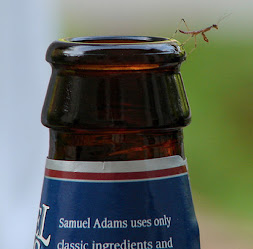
[{"x": 194, "y": 33}]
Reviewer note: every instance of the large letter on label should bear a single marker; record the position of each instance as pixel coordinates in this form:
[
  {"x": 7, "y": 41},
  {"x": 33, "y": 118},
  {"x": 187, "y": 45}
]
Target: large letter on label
[{"x": 39, "y": 233}]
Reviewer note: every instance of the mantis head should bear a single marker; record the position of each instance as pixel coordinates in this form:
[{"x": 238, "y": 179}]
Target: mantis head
[{"x": 215, "y": 26}]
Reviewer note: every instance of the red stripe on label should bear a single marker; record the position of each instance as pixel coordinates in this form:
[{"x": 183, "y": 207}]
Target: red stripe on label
[{"x": 116, "y": 176}]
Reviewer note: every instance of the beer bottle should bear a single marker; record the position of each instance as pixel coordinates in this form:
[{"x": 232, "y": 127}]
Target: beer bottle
[{"x": 116, "y": 174}]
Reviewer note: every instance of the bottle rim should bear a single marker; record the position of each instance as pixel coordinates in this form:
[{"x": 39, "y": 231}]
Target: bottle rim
[{"x": 116, "y": 52}]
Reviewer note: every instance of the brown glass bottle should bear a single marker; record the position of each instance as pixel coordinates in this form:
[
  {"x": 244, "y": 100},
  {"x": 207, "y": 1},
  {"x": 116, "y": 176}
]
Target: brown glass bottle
[{"x": 116, "y": 99}]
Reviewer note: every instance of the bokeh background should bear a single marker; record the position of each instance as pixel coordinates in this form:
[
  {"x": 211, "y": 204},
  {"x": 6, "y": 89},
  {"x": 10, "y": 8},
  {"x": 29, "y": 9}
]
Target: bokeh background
[{"x": 218, "y": 81}]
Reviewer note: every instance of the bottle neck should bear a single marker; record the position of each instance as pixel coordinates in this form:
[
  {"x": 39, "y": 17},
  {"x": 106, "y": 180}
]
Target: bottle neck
[{"x": 115, "y": 145}]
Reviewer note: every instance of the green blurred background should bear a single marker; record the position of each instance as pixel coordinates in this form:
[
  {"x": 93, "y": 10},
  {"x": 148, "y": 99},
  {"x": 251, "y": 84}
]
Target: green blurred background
[{"x": 219, "y": 86}]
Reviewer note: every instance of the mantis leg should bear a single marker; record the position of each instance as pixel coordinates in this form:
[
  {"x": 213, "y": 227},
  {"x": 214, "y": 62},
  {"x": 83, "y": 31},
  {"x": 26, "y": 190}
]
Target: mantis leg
[
  {"x": 178, "y": 26},
  {"x": 187, "y": 40},
  {"x": 204, "y": 37},
  {"x": 195, "y": 39}
]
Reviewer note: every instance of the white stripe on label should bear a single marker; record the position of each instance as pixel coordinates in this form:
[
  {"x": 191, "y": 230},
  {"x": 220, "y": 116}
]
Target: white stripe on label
[{"x": 116, "y": 166}]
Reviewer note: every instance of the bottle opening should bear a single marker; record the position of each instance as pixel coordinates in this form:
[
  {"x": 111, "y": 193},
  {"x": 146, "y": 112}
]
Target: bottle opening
[
  {"x": 117, "y": 53},
  {"x": 117, "y": 40}
]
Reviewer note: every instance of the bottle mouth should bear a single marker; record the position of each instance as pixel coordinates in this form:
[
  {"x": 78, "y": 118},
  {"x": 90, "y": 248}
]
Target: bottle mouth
[
  {"x": 116, "y": 53},
  {"x": 115, "y": 40}
]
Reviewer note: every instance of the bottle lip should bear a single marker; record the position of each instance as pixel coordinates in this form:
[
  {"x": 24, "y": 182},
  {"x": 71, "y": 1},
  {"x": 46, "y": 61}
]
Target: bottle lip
[{"x": 116, "y": 52}]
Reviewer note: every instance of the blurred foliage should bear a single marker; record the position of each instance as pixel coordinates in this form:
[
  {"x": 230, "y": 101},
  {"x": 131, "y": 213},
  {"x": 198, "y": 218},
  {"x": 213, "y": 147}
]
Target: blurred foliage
[{"x": 219, "y": 141}]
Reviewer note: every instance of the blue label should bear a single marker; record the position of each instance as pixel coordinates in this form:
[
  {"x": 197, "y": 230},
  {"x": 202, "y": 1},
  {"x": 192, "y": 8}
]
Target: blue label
[{"x": 126, "y": 209}]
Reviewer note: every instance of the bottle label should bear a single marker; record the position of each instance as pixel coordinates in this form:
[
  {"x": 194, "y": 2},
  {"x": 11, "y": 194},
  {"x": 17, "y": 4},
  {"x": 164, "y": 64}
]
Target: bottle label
[{"x": 142, "y": 204}]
